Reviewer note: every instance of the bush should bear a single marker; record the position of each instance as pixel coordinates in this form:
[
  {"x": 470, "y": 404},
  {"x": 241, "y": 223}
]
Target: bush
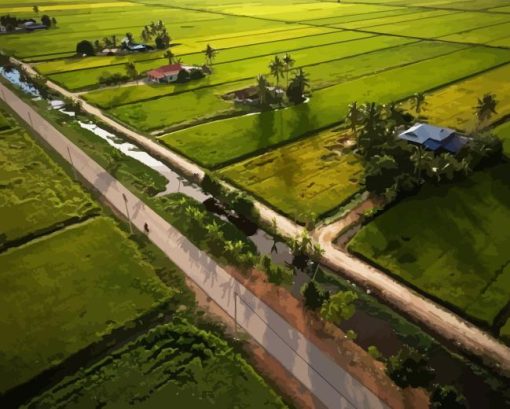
[
  {"x": 113, "y": 79},
  {"x": 339, "y": 307},
  {"x": 374, "y": 352},
  {"x": 276, "y": 274},
  {"x": 85, "y": 47},
  {"x": 409, "y": 367},
  {"x": 211, "y": 185},
  {"x": 446, "y": 397},
  {"x": 483, "y": 150},
  {"x": 313, "y": 296}
]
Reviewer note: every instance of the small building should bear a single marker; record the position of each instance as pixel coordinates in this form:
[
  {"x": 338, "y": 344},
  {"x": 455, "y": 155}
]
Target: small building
[
  {"x": 170, "y": 73},
  {"x": 134, "y": 47},
  {"x": 434, "y": 138},
  {"x": 110, "y": 51},
  {"x": 167, "y": 73},
  {"x": 31, "y": 25}
]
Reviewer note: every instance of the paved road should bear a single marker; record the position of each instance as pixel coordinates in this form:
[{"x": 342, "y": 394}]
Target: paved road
[
  {"x": 439, "y": 320},
  {"x": 324, "y": 378}
]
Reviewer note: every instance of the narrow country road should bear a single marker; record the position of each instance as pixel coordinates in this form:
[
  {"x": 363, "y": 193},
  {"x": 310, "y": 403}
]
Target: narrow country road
[
  {"x": 330, "y": 383},
  {"x": 441, "y": 321}
]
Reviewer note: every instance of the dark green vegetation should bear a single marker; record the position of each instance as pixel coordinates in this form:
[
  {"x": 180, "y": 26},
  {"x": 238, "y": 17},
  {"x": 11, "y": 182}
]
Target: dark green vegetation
[
  {"x": 91, "y": 282},
  {"x": 174, "y": 364},
  {"x": 450, "y": 242},
  {"x": 68, "y": 290},
  {"x": 36, "y": 196}
]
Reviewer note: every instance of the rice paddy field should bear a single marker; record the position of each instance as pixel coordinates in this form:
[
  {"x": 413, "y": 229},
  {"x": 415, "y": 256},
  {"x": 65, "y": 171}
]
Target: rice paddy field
[
  {"x": 375, "y": 50},
  {"x": 84, "y": 288},
  {"x": 450, "y": 242},
  {"x": 175, "y": 363},
  {"x": 311, "y": 176},
  {"x": 294, "y": 158},
  {"x": 63, "y": 285},
  {"x": 36, "y": 196}
]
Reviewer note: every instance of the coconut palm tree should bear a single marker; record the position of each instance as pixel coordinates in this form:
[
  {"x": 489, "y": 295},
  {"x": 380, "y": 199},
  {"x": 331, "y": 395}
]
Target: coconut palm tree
[
  {"x": 354, "y": 117},
  {"x": 297, "y": 86},
  {"x": 210, "y": 54},
  {"x": 288, "y": 62},
  {"x": 276, "y": 68},
  {"x": 170, "y": 56},
  {"x": 486, "y": 107},
  {"x": 418, "y": 102},
  {"x": 262, "y": 90},
  {"x": 131, "y": 70}
]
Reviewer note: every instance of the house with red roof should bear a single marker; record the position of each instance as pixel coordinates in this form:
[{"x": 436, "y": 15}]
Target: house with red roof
[{"x": 167, "y": 73}]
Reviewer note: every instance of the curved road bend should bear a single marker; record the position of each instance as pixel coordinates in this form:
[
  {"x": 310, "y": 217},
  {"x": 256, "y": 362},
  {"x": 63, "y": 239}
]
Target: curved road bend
[
  {"x": 438, "y": 319},
  {"x": 335, "y": 387}
]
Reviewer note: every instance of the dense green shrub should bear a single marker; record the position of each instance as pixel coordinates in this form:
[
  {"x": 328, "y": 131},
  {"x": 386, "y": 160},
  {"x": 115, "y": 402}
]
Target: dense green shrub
[
  {"x": 446, "y": 397},
  {"x": 409, "y": 367}
]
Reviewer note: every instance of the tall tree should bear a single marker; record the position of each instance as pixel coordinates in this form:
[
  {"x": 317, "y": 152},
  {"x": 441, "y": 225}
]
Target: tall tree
[
  {"x": 418, "y": 102},
  {"x": 46, "y": 20},
  {"x": 85, "y": 47},
  {"x": 297, "y": 87},
  {"x": 486, "y": 107},
  {"x": 263, "y": 91},
  {"x": 131, "y": 71},
  {"x": 288, "y": 63},
  {"x": 53, "y": 21},
  {"x": 354, "y": 117},
  {"x": 276, "y": 67},
  {"x": 170, "y": 56},
  {"x": 210, "y": 54},
  {"x": 36, "y": 9}
]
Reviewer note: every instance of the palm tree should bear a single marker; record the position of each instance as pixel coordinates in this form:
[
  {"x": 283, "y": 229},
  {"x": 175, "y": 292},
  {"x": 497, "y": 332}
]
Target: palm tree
[
  {"x": 395, "y": 114},
  {"x": 170, "y": 56},
  {"x": 418, "y": 102},
  {"x": 354, "y": 117},
  {"x": 210, "y": 54},
  {"x": 277, "y": 68},
  {"x": 131, "y": 70},
  {"x": 297, "y": 86},
  {"x": 486, "y": 107},
  {"x": 288, "y": 62},
  {"x": 262, "y": 90}
]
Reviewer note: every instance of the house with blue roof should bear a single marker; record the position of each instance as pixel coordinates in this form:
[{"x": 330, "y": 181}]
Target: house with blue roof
[{"x": 434, "y": 138}]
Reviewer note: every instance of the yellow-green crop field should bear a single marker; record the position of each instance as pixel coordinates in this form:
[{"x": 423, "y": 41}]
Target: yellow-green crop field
[
  {"x": 453, "y": 106},
  {"x": 311, "y": 176}
]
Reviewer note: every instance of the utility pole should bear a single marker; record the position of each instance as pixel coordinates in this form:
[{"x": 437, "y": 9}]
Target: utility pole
[
  {"x": 30, "y": 119},
  {"x": 127, "y": 213},
  {"x": 72, "y": 163},
  {"x": 235, "y": 313}
]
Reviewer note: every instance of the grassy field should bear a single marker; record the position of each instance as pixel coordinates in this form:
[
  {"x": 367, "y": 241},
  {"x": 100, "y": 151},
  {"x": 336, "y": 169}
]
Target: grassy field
[
  {"x": 308, "y": 177},
  {"x": 181, "y": 109},
  {"x": 454, "y": 105},
  {"x": 450, "y": 242},
  {"x": 175, "y": 363},
  {"x": 4, "y": 122},
  {"x": 87, "y": 279},
  {"x": 243, "y": 69},
  {"x": 36, "y": 196},
  {"x": 218, "y": 143}
]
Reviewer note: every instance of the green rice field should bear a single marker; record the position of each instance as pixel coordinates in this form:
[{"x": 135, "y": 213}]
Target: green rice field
[
  {"x": 175, "y": 362},
  {"x": 291, "y": 158},
  {"x": 36, "y": 195},
  {"x": 84, "y": 286},
  {"x": 449, "y": 242}
]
